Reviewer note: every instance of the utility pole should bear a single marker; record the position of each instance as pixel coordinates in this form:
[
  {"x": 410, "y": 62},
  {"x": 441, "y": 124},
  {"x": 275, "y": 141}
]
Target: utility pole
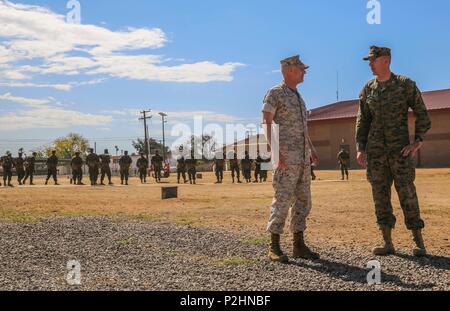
[
  {"x": 145, "y": 118},
  {"x": 163, "y": 116}
]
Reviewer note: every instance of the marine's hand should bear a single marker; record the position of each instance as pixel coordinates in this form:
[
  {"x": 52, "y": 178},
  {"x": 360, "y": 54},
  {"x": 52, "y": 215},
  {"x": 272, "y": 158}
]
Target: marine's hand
[
  {"x": 362, "y": 159},
  {"x": 314, "y": 159},
  {"x": 282, "y": 162},
  {"x": 412, "y": 149}
]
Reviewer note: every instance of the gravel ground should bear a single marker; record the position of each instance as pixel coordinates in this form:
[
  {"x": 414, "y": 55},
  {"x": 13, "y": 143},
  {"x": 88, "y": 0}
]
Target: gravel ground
[{"x": 134, "y": 255}]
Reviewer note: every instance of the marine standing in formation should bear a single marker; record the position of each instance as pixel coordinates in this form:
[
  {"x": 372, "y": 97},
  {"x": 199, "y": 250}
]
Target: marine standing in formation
[
  {"x": 52, "y": 164},
  {"x": 93, "y": 163},
  {"x": 7, "y": 164},
  {"x": 30, "y": 168},
  {"x": 234, "y": 166},
  {"x": 343, "y": 159},
  {"x": 258, "y": 163},
  {"x": 105, "y": 169},
  {"x": 219, "y": 165},
  {"x": 20, "y": 169},
  {"x": 284, "y": 106},
  {"x": 157, "y": 163},
  {"x": 125, "y": 163},
  {"x": 384, "y": 146},
  {"x": 191, "y": 165},
  {"x": 142, "y": 165},
  {"x": 77, "y": 169},
  {"x": 181, "y": 169},
  {"x": 246, "y": 165}
]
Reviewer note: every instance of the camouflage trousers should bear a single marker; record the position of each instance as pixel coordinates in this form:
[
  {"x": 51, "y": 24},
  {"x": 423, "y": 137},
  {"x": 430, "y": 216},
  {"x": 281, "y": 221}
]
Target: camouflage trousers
[
  {"x": 384, "y": 171},
  {"x": 292, "y": 188},
  {"x": 105, "y": 171}
]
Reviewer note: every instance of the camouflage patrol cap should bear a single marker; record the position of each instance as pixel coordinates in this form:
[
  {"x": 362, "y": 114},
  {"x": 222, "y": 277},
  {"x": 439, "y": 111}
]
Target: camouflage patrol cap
[
  {"x": 376, "y": 51},
  {"x": 293, "y": 61}
]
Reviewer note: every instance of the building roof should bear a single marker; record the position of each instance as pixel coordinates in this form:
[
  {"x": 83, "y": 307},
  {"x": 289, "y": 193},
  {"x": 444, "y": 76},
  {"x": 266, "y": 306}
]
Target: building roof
[{"x": 434, "y": 100}]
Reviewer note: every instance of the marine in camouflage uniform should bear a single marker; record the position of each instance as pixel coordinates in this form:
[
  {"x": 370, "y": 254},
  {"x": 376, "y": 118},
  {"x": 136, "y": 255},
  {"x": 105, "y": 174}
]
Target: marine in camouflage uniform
[
  {"x": 93, "y": 163},
  {"x": 264, "y": 171},
  {"x": 77, "y": 169},
  {"x": 219, "y": 165},
  {"x": 7, "y": 164},
  {"x": 20, "y": 169},
  {"x": 191, "y": 165},
  {"x": 30, "y": 168},
  {"x": 234, "y": 166},
  {"x": 105, "y": 169},
  {"x": 284, "y": 106},
  {"x": 246, "y": 165},
  {"x": 382, "y": 136},
  {"x": 142, "y": 165},
  {"x": 181, "y": 169},
  {"x": 258, "y": 173},
  {"x": 125, "y": 163},
  {"x": 52, "y": 165},
  {"x": 343, "y": 159},
  {"x": 157, "y": 163}
]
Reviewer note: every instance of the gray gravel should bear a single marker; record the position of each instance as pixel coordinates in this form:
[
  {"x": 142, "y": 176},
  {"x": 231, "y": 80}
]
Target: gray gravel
[{"x": 135, "y": 255}]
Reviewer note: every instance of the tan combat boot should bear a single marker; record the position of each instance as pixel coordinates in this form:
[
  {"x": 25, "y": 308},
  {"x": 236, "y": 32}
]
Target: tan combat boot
[
  {"x": 388, "y": 248},
  {"x": 275, "y": 252},
  {"x": 420, "y": 250},
  {"x": 301, "y": 250}
]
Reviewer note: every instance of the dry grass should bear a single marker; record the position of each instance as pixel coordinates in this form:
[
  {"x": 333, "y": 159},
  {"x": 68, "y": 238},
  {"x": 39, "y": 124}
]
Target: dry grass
[{"x": 342, "y": 213}]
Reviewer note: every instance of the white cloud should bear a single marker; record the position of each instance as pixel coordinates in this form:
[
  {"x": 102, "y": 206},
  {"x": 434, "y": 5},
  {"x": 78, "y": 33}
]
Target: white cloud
[
  {"x": 40, "y": 35},
  {"x": 24, "y": 101},
  {"x": 43, "y": 113},
  {"x": 60, "y": 87}
]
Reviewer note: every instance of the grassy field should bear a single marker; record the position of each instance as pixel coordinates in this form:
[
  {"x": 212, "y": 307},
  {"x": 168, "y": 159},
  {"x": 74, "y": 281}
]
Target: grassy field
[{"x": 343, "y": 212}]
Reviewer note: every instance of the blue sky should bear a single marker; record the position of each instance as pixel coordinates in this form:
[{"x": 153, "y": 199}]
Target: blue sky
[{"x": 226, "y": 53}]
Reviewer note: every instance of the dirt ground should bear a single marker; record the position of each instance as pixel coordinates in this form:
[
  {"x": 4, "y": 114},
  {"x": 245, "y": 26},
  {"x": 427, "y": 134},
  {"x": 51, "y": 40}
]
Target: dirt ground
[{"x": 342, "y": 215}]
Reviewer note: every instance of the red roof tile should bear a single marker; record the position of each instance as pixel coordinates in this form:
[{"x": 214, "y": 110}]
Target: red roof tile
[{"x": 434, "y": 100}]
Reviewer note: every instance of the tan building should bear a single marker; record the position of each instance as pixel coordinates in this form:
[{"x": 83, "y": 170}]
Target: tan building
[{"x": 332, "y": 127}]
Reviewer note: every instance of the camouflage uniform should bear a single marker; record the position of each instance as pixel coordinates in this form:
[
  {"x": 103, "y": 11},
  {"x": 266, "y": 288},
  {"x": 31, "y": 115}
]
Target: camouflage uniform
[
  {"x": 20, "y": 169},
  {"x": 258, "y": 173},
  {"x": 105, "y": 169},
  {"x": 234, "y": 166},
  {"x": 93, "y": 163},
  {"x": 246, "y": 165},
  {"x": 77, "y": 169},
  {"x": 52, "y": 165},
  {"x": 343, "y": 158},
  {"x": 142, "y": 165},
  {"x": 29, "y": 168},
  {"x": 7, "y": 164},
  {"x": 157, "y": 163},
  {"x": 192, "y": 171},
  {"x": 181, "y": 169},
  {"x": 125, "y": 163},
  {"x": 382, "y": 132},
  {"x": 219, "y": 165},
  {"x": 291, "y": 185}
]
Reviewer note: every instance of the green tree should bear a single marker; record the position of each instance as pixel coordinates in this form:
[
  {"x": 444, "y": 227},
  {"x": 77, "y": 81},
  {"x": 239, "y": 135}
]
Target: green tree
[
  {"x": 154, "y": 145},
  {"x": 67, "y": 146}
]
